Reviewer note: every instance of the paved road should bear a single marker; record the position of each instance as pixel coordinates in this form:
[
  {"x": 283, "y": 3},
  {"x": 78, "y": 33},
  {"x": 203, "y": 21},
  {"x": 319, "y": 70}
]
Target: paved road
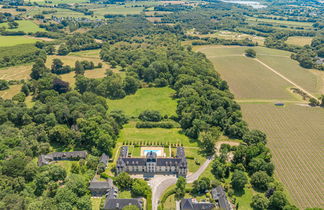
[
  {"x": 160, "y": 183},
  {"x": 191, "y": 178}
]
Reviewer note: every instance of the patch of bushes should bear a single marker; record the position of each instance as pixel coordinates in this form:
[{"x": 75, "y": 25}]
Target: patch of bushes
[
  {"x": 167, "y": 125},
  {"x": 150, "y": 115}
]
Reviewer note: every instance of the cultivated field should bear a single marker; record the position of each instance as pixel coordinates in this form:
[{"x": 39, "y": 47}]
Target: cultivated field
[
  {"x": 230, "y": 35},
  {"x": 146, "y": 98},
  {"x": 25, "y": 26},
  {"x": 231, "y": 62},
  {"x": 299, "y": 40},
  {"x": 295, "y": 136},
  {"x": 118, "y": 9},
  {"x": 280, "y": 22},
  {"x": 9, "y": 93},
  {"x": 7, "y": 41},
  {"x": 295, "y": 132},
  {"x": 16, "y": 72}
]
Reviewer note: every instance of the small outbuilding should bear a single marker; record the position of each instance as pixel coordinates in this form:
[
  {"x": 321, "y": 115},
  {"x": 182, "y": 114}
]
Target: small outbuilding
[
  {"x": 99, "y": 188},
  {"x": 219, "y": 195}
]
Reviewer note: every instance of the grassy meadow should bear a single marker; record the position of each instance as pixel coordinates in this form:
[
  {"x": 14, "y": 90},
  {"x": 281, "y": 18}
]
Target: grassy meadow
[
  {"x": 117, "y": 9},
  {"x": 231, "y": 36},
  {"x": 25, "y": 26},
  {"x": 280, "y": 22},
  {"x": 295, "y": 131},
  {"x": 7, "y": 41},
  {"x": 146, "y": 98},
  {"x": 299, "y": 40},
  {"x": 9, "y": 93},
  {"x": 95, "y": 203}
]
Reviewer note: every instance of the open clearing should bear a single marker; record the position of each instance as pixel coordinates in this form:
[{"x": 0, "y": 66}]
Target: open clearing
[
  {"x": 16, "y": 72},
  {"x": 280, "y": 22},
  {"x": 230, "y": 36},
  {"x": 146, "y": 98},
  {"x": 299, "y": 40},
  {"x": 7, "y": 41},
  {"x": 295, "y": 136},
  {"x": 132, "y": 134},
  {"x": 9, "y": 93},
  {"x": 25, "y": 26},
  {"x": 295, "y": 133}
]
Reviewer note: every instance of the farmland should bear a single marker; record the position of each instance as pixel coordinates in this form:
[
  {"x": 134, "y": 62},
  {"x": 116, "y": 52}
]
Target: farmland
[
  {"x": 146, "y": 98},
  {"x": 15, "y": 72},
  {"x": 264, "y": 83},
  {"x": 294, "y": 131},
  {"x": 25, "y": 26},
  {"x": 229, "y": 35},
  {"x": 9, "y": 93},
  {"x": 280, "y": 22},
  {"x": 299, "y": 40},
  {"x": 295, "y": 136},
  {"x": 7, "y": 41}
]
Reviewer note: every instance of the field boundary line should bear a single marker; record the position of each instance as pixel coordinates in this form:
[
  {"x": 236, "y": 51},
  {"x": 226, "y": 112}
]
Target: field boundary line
[{"x": 285, "y": 78}]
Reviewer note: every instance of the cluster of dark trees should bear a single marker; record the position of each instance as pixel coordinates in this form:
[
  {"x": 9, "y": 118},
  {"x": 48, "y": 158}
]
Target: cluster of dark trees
[
  {"x": 128, "y": 27},
  {"x": 19, "y": 54},
  {"x": 78, "y": 42},
  {"x": 4, "y": 84},
  {"x": 61, "y": 117},
  {"x": 6, "y": 17},
  {"x": 112, "y": 86},
  {"x": 153, "y": 119},
  {"x": 219, "y": 41}
]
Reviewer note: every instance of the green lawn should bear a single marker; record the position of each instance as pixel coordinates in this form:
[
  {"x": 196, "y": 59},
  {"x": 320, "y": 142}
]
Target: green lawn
[
  {"x": 66, "y": 164},
  {"x": 95, "y": 203},
  {"x": 124, "y": 194},
  {"x": 132, "y": 134},
  {"x": 25, "y": 26},
  {"x": 170, "y": 203},
  {"x": 146, "y": 98},
  {"x": 8, "y": 41},
  {"x": 194, "y": 152},
  {"x": 86, "y": 53}
]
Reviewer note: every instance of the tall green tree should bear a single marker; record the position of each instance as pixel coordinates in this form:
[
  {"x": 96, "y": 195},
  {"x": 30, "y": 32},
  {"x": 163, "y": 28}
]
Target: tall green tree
[
  {"x": 239, "y": 180},
  {"x": 180, "y": 187}
]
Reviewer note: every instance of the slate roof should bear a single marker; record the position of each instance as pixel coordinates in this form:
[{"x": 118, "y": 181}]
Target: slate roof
[
  {"x": 180, "y": 152},
  {"x": 168, "y": 161},
  {"x": 75, "y": 154},
  {"x": 46, "y": 159},
  {"x": 151, "y": 155},
  {"x": 117, "y": 204},
  {"x": 180, "y": 159},
  {"x": 219, "y": 196},
  {"x": 134, "y": 161},
  {"x": 123, "y": 151},
  {"x": 94, "y": 185},
  {"x": 104, "y": 159},
  {"x": 190, "y": 204}
]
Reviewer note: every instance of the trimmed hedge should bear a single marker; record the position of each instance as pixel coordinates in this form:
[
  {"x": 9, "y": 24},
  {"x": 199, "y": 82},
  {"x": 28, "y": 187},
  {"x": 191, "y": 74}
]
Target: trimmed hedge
[{"x": 155, "y": 125}]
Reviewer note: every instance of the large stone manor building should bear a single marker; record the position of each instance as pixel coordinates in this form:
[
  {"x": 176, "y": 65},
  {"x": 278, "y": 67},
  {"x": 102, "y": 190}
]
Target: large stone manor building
[{"x": 151, "y": 164}]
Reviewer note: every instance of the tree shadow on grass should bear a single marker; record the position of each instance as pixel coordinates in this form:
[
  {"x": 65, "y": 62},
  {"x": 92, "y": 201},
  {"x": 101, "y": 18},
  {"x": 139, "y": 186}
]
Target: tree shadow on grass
[{"x": 239, "y": 193}]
